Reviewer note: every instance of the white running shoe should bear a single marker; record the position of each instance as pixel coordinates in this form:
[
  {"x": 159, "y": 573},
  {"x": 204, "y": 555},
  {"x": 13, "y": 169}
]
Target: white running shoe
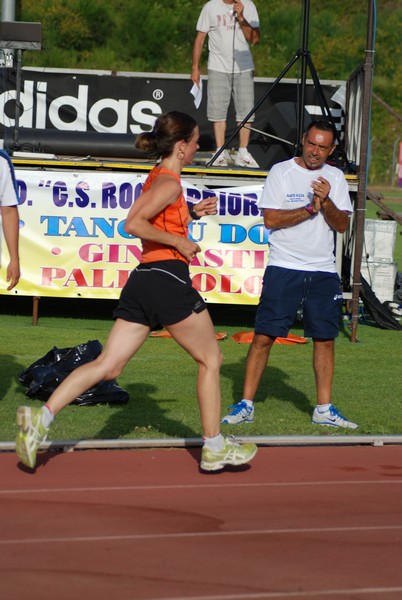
[
  {"x": 246, "y": 160},
  {"x": 32, "y": 433},
  {"x": 223, "y": 159},
  {"x": 332, "y": 417},
  {"x": 239, "y": 413},
  {"x": 232, "y": 453}
]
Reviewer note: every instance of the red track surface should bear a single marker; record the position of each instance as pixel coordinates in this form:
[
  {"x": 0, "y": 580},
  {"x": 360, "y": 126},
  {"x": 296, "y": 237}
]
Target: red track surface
[{"x": 304, "y": 522}]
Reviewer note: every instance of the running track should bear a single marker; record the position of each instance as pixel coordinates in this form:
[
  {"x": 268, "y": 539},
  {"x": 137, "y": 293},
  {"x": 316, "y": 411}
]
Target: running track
[{"x": 298, "y": 523}]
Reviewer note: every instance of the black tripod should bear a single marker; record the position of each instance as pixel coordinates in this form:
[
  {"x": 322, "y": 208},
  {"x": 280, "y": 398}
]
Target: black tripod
[{"x": 304, "y": 54}]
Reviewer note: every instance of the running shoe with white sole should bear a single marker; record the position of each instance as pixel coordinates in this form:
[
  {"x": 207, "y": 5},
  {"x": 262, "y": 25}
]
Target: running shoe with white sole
[
  {"x": 232, "y": 453},
  {"x": 223, "y": 159},
  {"x": 246, "y": 160},
  {"x": 239, "y": 413},
  {"x": 333, "y": 418},
  {"x": 31, "y": 434}
]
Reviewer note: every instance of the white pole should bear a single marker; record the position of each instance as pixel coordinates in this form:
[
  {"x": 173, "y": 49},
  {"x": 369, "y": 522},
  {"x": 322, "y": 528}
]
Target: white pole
[
  {"x": 8, "y": 10},
  {"x": 394, "y": 161},
  {"x": 7, "y": 15}
]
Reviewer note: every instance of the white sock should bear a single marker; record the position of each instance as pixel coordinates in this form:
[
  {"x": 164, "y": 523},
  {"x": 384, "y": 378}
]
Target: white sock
[
  {"x": 323, "y": 407},
  {"x": 215, "y": 444},
  {"x": 248, "y": 402},
  {"x": 47, "y": 416},
  {"x": 242, "y": 151}
]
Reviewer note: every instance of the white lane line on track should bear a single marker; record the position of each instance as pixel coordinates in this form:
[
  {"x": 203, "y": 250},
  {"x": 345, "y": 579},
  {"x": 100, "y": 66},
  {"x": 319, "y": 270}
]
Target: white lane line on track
[
  {"x": 199, "y": 534},
  {"x": 356, "y": 592},
  {"x": 140, "y": 488}
]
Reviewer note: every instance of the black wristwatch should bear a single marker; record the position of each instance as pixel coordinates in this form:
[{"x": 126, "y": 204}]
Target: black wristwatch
[{"x": 193, "y": 214}]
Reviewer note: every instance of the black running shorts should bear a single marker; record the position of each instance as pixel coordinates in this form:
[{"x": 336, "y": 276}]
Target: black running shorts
[{"x": 159, "y": 293}]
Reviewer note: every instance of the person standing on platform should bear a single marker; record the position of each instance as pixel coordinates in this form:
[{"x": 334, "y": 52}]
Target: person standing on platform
[
  {"x": 10, "y": 218},
  {"x": 158, "y": 293},
  {"x": 231, "y": 28},
  {"x": 305, "y": 202}
]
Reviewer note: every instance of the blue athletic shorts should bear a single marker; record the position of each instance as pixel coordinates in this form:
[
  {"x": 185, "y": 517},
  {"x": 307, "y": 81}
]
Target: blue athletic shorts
[
  {"x": 159, "y": 293},
  {"x": 285, "y": 291}
]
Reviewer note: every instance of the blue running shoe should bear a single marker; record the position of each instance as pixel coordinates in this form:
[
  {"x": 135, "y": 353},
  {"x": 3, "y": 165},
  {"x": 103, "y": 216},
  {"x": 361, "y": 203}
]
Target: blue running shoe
[
  {"x": 332, "y": 417},
  {"x": 239, "y": 413}
]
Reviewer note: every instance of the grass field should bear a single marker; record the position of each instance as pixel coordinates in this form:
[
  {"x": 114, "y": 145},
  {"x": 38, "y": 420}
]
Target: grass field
[
  {"x": 161, "y": 378},
  {"x": 161, "y": 382}
]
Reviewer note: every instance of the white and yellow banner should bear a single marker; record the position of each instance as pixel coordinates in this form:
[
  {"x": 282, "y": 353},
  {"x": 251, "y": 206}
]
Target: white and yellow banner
[{"x": 73, "y": 244}]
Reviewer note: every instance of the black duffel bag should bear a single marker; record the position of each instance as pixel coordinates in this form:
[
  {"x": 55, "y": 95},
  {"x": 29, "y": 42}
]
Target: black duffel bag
[{"x": 43, "y": 376}]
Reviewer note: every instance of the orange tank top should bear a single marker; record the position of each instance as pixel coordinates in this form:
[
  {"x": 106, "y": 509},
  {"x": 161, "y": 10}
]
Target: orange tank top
[{"x": 172, "y": 219}]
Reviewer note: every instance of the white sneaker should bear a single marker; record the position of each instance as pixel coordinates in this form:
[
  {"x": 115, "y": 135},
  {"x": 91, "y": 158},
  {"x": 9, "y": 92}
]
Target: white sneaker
[
  {"x": 232, "y": 453},
  {"x": 239, "y": 413},
  {"x": 332, "y": 417},
  {"x": 223, "y": 159},
  {"x": 32, "y": 433},
  {"x": 246, "y": 160}
]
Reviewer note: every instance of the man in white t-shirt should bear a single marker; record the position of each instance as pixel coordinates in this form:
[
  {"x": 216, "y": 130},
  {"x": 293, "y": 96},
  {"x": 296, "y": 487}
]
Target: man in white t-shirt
[
  {"x": 304, "y": 202},
  {"x": 231, "y": 27},
  {"x": 9, "y": 217}
]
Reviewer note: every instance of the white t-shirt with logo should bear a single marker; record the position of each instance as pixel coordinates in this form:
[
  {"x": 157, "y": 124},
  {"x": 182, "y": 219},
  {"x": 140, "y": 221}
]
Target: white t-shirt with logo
[
  {"x": 310, "y": 245},
  {"x": 225, "y": 37},
  {"x": 8, "y": 191}
]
